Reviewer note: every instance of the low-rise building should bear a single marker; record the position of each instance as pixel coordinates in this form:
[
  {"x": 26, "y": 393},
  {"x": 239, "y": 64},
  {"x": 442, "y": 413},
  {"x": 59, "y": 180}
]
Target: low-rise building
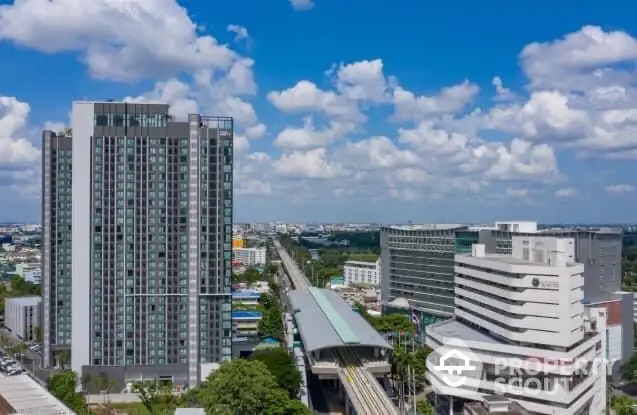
[
  {"x": 521, "y": 321},
  {"x": 245, "y": 331},
  {"x": 250, "y": 257},
  {"x": 22, "y": 316},
  {"x": 30, "y": 272},
  {"x": 366, "y": 297},
  {"x": 245, "y": 297},
  {"x": 359, "y": 272}
]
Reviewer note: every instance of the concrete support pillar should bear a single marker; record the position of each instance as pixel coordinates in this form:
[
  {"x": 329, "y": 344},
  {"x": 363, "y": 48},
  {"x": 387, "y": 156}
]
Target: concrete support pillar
[{"x": 376, "y": 352}]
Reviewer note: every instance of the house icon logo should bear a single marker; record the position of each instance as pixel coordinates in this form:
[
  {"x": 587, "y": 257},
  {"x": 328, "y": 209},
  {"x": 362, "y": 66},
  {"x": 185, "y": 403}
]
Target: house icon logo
[
  {"x": 449, "y": 364},
  {"x": 454, "y": 365}
]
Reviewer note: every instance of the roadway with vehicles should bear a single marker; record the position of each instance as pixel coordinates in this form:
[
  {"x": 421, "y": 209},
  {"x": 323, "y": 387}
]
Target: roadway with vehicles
[{"x": 366, "y": 394}]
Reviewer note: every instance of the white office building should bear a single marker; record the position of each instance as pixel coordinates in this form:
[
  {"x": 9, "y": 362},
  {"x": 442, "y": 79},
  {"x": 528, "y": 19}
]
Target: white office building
[
  {"x": 520, "y": 313},
  {"x": 250, "y": 257},
  {"x": 359, "y": 272},
  {"x": 22, "y": 316}
]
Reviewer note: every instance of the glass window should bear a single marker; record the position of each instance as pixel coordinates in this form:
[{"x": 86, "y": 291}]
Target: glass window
[
  {"x": 101, "y": 120},
  {"x": 118, "y": 120}
]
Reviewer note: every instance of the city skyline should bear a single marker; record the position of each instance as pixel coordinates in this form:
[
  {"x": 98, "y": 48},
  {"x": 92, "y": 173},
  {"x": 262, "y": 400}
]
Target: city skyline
[{"x": 461, "y": 118}]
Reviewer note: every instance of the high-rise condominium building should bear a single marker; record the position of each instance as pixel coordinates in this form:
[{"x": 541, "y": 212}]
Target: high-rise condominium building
[
  {"x": 152, "y": 242},
  {"x": 56, "y": 244}
]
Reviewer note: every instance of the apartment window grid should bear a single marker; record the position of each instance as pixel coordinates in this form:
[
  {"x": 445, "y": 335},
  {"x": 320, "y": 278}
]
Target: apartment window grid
[
  {"x": 60, "y": 265},
  {"x": 421, "y": 267},
  {"x": 139, "y": 256},
  {"x": 215, "y": 342}
]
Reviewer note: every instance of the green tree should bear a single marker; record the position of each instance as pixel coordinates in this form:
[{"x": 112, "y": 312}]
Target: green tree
[
  {"x": 387, "y": 324},
  {"x": 272, "y": 269},
  {"x": 283, "y": 367},
  {"x": 400, "y": 361},
  {"x": 424, "y": 408},
  {"x": 251, "y": 275},
  {"x": 62, "y": 358},
  {"x": 20, "y": 287},
  {"x": 270, "y": 324},
  {"x": 243, "y": 387},
  {"x": 623, "y": 405},
  {"x": 420, "y": 364},
  {"x": 62, "y": 385},
  {"x": 268, "y": 300},
  {"x": 628, "y": 370},
  {"x": 157, "y": 397}
]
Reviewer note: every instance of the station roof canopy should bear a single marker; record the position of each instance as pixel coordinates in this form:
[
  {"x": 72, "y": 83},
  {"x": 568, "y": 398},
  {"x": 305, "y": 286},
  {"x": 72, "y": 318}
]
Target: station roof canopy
[{"x": 325, "y": 320}]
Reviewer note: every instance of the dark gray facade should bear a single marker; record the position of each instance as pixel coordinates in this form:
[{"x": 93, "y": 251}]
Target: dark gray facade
[
  {"x": 154, "y": 200},
  {"x": 417, "y": 264},
  {"x": 56, "y": 243}
]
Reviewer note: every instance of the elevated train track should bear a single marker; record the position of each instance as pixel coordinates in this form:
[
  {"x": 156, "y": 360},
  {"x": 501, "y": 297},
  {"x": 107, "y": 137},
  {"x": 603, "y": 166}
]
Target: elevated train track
[{"x": 366, "y": 394}]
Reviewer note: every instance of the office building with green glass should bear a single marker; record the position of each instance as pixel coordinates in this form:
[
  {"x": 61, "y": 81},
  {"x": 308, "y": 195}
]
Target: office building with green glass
[
  {"x": 152, "y": 236},
  {"x": 56, "y": 245}
]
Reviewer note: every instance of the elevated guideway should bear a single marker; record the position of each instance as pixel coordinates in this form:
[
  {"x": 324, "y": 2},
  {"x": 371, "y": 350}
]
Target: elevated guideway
[{"x": 339, "y": 343}]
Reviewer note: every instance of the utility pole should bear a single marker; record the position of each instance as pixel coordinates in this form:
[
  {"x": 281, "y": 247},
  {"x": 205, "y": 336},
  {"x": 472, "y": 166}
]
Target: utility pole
[{"x": 413, "y": 390}]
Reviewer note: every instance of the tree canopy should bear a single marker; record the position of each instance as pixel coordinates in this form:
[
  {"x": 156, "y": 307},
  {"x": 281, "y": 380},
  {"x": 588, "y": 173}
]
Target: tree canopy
[
  {"x": 249, "y": 276},
  {"x": 628, "y": 370},
  {"x": 282, "y": 366},
  {"x": 62, "y": 385},
  {"x": 243, "y": 387},
  {"x": 271, "y": 324},
  {"x": 156, "y": 396},
  {"x": 623, "y": 405},
  {"x": 387, "y": 323},
  {"x": 424, "y": 408}
]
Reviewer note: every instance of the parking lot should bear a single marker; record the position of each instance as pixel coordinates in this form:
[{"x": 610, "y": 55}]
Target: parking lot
[
  {"x": 9, "y": 366},
  {"x": 30, "y": 360}
]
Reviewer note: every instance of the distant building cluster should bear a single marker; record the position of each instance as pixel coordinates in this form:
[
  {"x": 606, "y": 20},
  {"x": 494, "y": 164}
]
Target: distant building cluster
[{"x": 20, "y": 258}]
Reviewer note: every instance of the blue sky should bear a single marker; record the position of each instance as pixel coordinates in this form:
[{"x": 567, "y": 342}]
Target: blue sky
[{"x": 351, "y": 111}]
